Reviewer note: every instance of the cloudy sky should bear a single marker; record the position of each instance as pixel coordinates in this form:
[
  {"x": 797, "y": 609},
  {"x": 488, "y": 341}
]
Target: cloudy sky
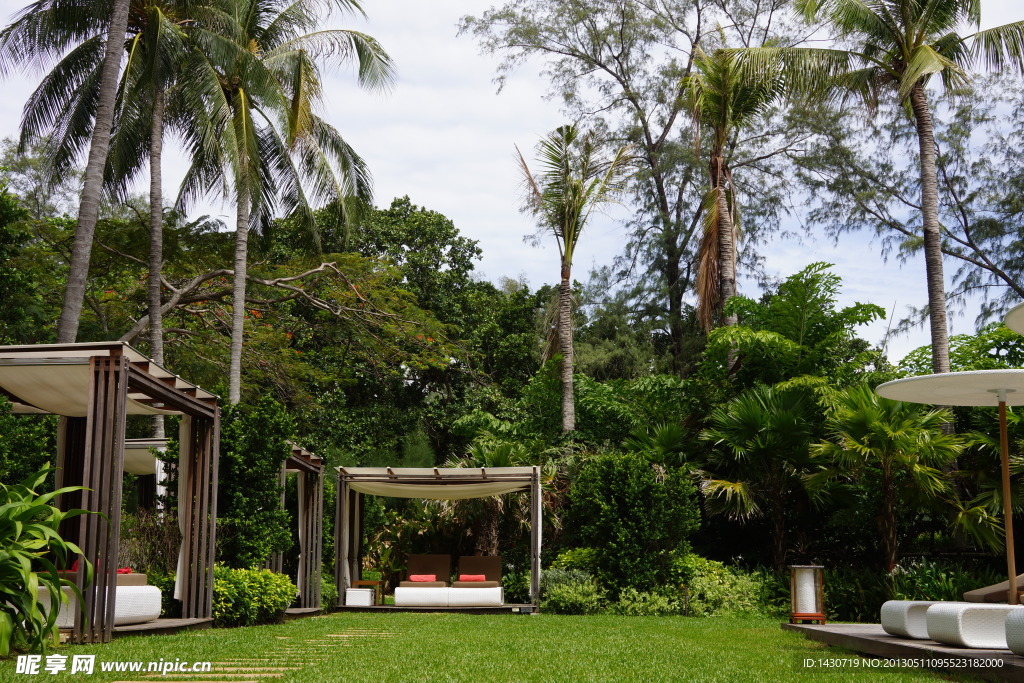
[{"x": 446, "y": 138}]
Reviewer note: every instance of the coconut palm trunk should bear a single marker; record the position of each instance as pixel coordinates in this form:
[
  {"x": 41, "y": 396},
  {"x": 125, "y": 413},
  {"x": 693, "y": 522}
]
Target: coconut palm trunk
[
  {"x": 238, "y": 295},
  {"x": 565, "y": 348},
  {"x": 156, "y": 241},
  {"x": 932, "y": 234},
  {"x": 726, "y": 235},
  {"x": 89, "y": 206}
]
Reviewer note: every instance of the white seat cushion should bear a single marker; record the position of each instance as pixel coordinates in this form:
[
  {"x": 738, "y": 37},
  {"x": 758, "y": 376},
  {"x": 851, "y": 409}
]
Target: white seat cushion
[
  {"x": 475, "y": 597},
  {"x": 407, "y": 596}
]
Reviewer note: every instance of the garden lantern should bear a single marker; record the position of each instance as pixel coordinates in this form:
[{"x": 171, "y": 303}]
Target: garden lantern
[{"x": 806, "y": 594}]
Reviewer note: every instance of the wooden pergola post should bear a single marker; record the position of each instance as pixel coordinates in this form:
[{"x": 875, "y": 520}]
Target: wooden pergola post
[
  {"x": 536, "y": 527},
  {"x": 342, "y": 577}
]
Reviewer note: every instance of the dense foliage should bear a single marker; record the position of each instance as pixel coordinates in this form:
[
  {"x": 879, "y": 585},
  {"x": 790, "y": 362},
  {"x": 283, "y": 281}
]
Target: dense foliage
[
  {"x": 31, "y": 551},
  {"x": 635, "y": 519},
  {"x": 247, "y": 597},
  {"x": 250, "y": 524}
]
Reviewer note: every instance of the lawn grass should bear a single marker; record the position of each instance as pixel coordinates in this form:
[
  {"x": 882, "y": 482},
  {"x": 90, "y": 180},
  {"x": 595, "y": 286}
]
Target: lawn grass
[{"x": 459, "y": 647}]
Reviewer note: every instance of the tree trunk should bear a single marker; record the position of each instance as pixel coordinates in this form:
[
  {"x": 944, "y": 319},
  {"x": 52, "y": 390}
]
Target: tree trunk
[
  {"x": 89, "y": 206},
  {"x": 779, "y": 535},
  {"x": 565, "y": 348},
  {"x": 156, "y": 241},
  {"x": 932, "y": 235},
  {"x": 726, "y": 237},
  {"x": 887, "y": 524},
  {"x": 238, "y": 296}
]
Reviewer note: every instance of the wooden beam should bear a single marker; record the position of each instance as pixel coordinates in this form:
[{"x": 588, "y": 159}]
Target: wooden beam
[{"x": 177, "y": 399}]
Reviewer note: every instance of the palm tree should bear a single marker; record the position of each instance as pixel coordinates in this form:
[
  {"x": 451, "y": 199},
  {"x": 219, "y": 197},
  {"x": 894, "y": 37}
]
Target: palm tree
[
  {"x": 723, "y": 98},
  {"x": 272, "y": 140},
  {"x": 760, "y": 441},
  {"x": 40, "y": 35},
  {"x": 897, "y": 47},
  {"x": 895, "y": 450},
  {"x": 574, "y": 180}
]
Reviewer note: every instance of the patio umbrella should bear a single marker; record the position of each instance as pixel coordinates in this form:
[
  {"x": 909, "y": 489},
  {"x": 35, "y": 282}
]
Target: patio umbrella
[
  {"x": 1015, "y": 319},
  {"x": 998, "y": 388}
]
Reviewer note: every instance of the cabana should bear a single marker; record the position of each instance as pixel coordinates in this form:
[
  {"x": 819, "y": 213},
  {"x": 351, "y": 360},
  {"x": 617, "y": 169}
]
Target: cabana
[
  {"x": 310, "y": 484},
  {"x": 94, "y": 387},
  {"x": 445, "y": 483}
]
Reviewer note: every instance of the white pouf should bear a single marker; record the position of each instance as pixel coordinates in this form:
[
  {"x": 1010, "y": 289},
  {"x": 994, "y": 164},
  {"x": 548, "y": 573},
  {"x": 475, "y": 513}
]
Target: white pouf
[
  {"x": 1015, "y": 631},
  {"x": 906, "y": 618},
  {"x": 975, "y": 625}
]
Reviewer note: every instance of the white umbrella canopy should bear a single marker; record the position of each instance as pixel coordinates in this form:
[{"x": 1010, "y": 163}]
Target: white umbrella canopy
[
  {"x": 970, "y": 388},
  {"x": 1015, "y": 319},
  {"x": 978, "y": 388}
]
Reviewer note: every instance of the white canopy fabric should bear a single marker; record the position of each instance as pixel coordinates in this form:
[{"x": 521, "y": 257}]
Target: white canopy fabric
[
  {"x": 437, "y": 483},
  {"x": 138, "y": 455},
  {"x": 54, "y": 378},
  {"x": 1015, "y": 319},
  {"x": 972, "y": 388}
]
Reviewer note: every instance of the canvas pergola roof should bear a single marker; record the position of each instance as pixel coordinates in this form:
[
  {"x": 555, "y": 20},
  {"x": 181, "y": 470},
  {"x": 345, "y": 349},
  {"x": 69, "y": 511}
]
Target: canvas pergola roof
[
  {"x": 54, "y": 378},
  {"x": 94, "y": 387},
  {"x": 438, "y": 483},
  {"x": 433, "y": 483}
]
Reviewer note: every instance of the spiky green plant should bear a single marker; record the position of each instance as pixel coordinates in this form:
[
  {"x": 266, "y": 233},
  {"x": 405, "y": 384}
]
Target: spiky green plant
[{"x": 31, "y": 548}]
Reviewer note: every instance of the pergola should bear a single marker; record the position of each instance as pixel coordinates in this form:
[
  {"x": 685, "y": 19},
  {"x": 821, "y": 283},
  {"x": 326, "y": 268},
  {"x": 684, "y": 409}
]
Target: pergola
[
  {"x": 94, "y": 387},
  {"x": 436, "y": 483},
  {"x": 310, "y": 470}
]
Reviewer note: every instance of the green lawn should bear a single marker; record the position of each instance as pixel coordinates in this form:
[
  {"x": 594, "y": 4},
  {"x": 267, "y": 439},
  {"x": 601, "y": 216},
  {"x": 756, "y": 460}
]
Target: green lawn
[{"x": 455, "y": 647}]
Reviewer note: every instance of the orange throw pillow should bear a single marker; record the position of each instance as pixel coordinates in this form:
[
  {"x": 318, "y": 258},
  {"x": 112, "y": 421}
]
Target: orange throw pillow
[
  {"x": 423, "y": 578},
  {"x": 472, "y": 577}
]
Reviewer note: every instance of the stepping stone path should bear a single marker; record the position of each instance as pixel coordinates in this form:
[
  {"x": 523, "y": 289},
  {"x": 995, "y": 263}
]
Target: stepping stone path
[{"x": 285, "y": 655}]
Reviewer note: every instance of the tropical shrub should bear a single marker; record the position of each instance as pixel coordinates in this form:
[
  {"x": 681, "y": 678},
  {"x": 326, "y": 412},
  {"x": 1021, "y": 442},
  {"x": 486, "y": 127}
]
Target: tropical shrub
[
  {"x": 714, "y": 589},
  {"x": 633, "y": 603},
  {"x": 516, "y": 586},
  {"x": 328, "y": 591},
  {"x": 853, "y": 594},
  {"x": 570, "y": 592},
  {"x": 30, "y": 551},
  {"x": 582, "y": 559},
  {"x": 636, "y": 515},
  {"x": 250, "y": 524},
  {"x": 247, "y": 597}
]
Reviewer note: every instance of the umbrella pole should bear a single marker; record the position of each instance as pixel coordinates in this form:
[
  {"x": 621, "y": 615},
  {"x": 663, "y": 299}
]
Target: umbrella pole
[{"x": 1004, "y": 452}]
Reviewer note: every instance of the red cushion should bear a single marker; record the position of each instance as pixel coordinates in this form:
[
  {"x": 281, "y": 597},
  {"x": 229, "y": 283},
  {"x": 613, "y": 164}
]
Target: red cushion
[
  {"x": 124, "y": 570},
  {"x": 472, "y": 577},
  {"x": 423, "y": 578}
]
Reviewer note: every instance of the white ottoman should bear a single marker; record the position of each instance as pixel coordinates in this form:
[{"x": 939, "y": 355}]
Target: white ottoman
[
  {"x": 1015, "y": 631},
  {"x": 133, "y": 605},
  {"x": 906, "y": 618},
  {"x": 972, "y": 625},
  {"x": 414, "y": 596},
  {"x": 359, "y": 596}
]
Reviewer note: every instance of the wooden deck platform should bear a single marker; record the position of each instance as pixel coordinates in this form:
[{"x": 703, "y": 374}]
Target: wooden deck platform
[
  {"x": 162, "y": 627},
  {"x": 504, "y": 609},
  {"x": 870, "y": 640}
]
